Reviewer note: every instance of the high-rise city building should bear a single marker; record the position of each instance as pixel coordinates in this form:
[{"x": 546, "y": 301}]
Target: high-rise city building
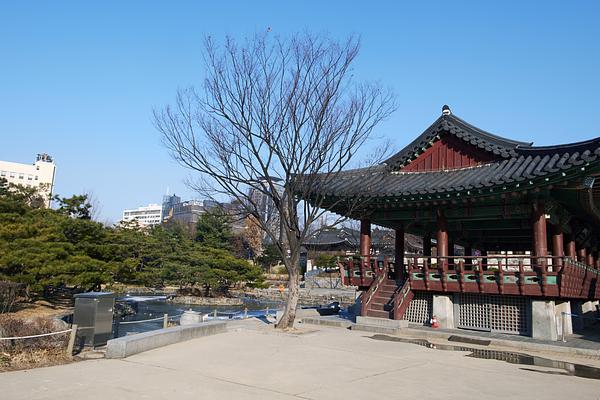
[
  {"x": 264, "y": 203},
  {"x": 187, "y": 212},
  {"x": 168, "y": 203},
  {"x": 145, "y": 216},
  {"x": 39, "y": 175}
]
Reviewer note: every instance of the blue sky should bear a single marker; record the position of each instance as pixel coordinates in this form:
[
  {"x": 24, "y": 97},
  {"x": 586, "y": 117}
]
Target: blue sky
[{"x": 79, "y": 80}]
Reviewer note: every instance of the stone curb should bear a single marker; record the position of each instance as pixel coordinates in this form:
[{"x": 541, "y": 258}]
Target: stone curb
[
  {"x": 515, "y": 344},
  {"x": 338, "y": 323},
  {"x": 129, "y": 345},
  {"x": 431, "y": 334}
]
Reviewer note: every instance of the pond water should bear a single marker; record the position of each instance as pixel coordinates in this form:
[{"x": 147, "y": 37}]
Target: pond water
[{"x": 150, "y": 309}]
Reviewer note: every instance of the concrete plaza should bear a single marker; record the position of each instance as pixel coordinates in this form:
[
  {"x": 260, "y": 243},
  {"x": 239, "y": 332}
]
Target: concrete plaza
[{"x": 251, "y": 361}]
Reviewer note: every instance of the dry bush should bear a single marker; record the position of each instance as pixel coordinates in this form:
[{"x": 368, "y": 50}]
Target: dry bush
[{"x": 34, "y": 352}]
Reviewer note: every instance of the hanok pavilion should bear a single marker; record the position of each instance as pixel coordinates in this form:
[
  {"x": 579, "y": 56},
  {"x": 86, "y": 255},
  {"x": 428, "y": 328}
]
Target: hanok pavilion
[{"x": 528, "y": 218}]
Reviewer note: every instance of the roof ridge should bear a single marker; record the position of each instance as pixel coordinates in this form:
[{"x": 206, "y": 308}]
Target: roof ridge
[
  {"x": 460, "y": 129},
  {"x": 486, "y": 133},
  {"x": 565, "y": 146}
]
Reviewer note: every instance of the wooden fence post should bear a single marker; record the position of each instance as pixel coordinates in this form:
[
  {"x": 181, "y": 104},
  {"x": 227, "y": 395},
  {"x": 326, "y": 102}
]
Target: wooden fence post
[{"x": 72, "y": 337}]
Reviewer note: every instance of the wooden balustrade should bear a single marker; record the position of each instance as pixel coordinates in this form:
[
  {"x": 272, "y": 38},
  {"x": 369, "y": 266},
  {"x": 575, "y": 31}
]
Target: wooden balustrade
[
  {"x": 380, "y": 276},
  {"x": 549, "y": 276}
]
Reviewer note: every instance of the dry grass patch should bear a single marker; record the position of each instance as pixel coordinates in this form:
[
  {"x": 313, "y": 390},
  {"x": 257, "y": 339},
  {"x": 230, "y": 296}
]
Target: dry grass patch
[{"x": 35, "y": 352}]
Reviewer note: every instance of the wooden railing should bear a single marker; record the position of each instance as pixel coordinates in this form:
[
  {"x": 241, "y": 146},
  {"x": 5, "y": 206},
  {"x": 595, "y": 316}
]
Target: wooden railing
[
  {"x": 402, "y": 299},
  {"x": 496, "y": 274},
  {"x": 380, "y": 277}
]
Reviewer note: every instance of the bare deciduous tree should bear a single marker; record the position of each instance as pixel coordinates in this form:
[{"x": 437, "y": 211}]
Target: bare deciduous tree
[{"x": 277, "y": 117}]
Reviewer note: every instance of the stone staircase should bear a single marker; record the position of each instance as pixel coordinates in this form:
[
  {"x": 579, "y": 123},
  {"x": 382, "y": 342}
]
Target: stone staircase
[{"x": 382, "y": 303}]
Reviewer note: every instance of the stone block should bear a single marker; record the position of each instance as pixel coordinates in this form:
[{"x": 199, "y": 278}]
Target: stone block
[
  {"x": 327, "y": 321},
  {"x": 129, "y": 345},
  {"x": 564, "y": 322},
  {"x": 382, "y": 322},
  {"x": 443, "y": 309},
  {"x": 376, "y": 329},
  {"x": 543, "y": 320}
]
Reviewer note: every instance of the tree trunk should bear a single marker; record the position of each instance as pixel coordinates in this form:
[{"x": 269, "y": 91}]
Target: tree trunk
[{"x": 289, "y": 314}]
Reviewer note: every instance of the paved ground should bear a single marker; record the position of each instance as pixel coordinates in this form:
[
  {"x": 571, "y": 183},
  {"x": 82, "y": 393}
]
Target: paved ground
[{"x": 327, "y": 363}]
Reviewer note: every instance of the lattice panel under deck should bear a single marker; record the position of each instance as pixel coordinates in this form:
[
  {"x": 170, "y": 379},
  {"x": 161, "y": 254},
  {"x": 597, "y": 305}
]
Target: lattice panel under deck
[
  {"x": 419, "y": 309},
  {"x": 473, "y": 312},
  {"x": 506, "y": 314}
]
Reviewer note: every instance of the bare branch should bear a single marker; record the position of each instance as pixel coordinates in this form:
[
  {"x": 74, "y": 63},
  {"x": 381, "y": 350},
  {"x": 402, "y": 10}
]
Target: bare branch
[{"x": 279, "y": 117}]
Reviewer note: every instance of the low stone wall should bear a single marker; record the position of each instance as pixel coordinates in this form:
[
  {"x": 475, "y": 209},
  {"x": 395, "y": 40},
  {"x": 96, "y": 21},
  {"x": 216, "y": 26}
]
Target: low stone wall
[
  {"x": 308, "y": 297},
  {"x": 207, "y": 301},
  {"x": 312, "y": 282},
  {"x": 129, "y": 345}
]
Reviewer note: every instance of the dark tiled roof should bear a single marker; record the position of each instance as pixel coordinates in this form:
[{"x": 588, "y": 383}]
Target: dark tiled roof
[
  {"x": 380, "y": 238},
  {"x": 455, "y": 126},
  {"x": 517, "y": 162},
  {"x": 330, "y": 237}
]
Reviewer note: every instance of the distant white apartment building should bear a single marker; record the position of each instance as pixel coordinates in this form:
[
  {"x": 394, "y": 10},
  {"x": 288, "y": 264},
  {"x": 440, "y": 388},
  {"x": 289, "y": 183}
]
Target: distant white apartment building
[
  {"x": 145, "y": 216},
  {"x": 39, "y": 175}
]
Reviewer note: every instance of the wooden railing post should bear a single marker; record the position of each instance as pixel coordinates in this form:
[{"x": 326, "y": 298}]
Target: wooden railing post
[
  {"x": 521, "y": 281},
  {"x": 362, "y": 271},
  {"x": 500, "y": 278},
  {"x": 71, "y": 343},
  {"x": 461, "y": 275},
  {"x": 442, "y": 271},
  {"x": 426, "y": 273}
]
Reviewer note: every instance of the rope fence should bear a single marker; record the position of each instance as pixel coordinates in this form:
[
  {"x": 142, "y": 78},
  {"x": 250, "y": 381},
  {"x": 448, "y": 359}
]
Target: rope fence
[
  {"x": 215, "y": 314},
  {"x": 148, "y": 320},
  {"x": 35, "y": 336},
  {"x": 564, "y": 322},
  {"x": 580, "y": 316}
]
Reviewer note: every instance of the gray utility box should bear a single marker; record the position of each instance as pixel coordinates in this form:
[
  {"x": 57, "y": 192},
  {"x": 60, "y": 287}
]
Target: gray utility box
[{"x": 94, "y": 318}]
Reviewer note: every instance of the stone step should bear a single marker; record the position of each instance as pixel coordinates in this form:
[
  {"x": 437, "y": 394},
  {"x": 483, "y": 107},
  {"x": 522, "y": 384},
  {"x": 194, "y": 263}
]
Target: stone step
[
  {"x": 380, "y": 307},
  {"x": 378, "y": 313},
  {"x": 378, "y": 321},
  {"x": 375, "y": 329},
  {"x": 388, "y": 287}
]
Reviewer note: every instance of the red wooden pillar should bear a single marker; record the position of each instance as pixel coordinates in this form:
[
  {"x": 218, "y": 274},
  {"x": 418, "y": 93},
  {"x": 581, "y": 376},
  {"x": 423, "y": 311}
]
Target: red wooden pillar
[
  {"x": 558, "y": 249},
  {"x": 365, "y": 238},
  {"x": 571, "y": 248},
  {"x": 590, "y": 258},
  {"x": 442, "y": 239},
  {"x": 451, "y": 252},
  {"x": 540, "y": 244},
  {"x": 581, "y": 254},
  {"x": 365, "y": 248},
  {"x": 399, "y": 253}
]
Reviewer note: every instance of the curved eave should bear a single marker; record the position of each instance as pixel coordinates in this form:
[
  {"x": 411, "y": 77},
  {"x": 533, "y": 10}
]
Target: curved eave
[{"x": 366, "y": 201}]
